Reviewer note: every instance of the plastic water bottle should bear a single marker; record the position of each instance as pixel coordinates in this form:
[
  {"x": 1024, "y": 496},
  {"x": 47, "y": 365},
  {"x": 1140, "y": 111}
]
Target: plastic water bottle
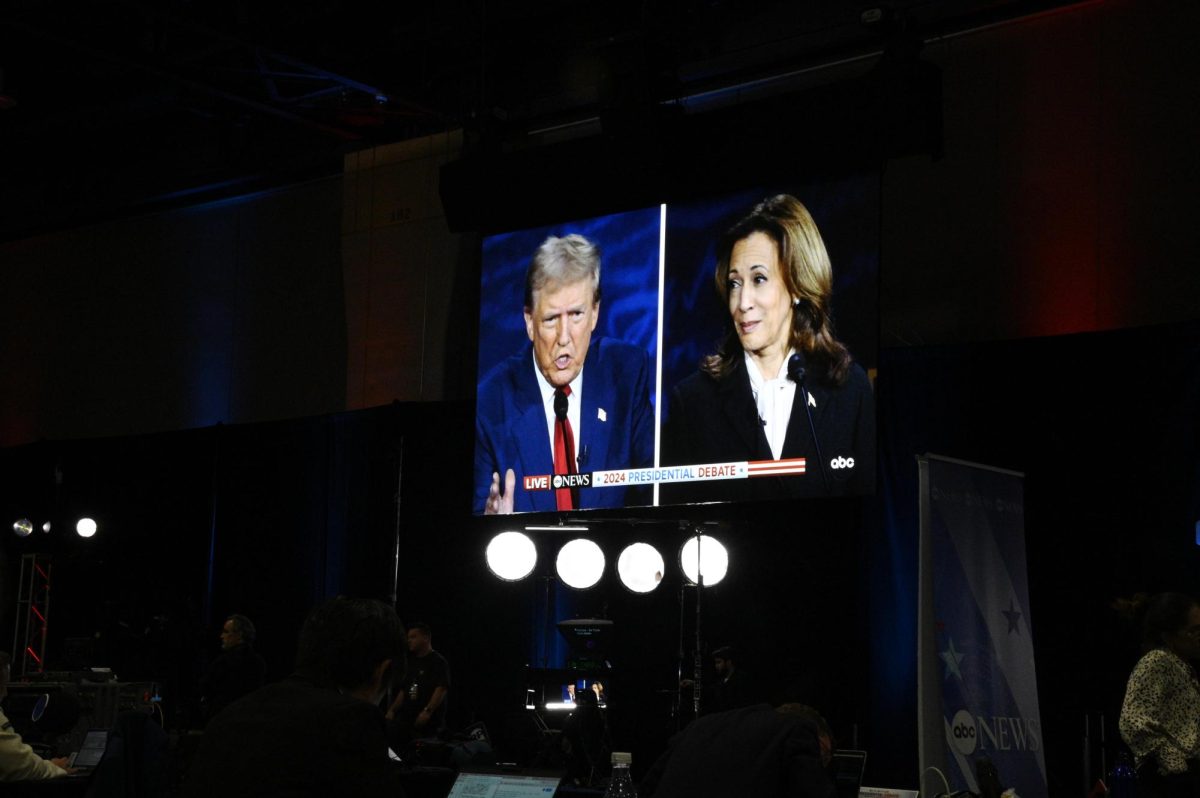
[{"x": 621, "y": 783}]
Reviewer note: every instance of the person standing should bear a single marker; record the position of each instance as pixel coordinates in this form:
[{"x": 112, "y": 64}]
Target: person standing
[
  {"x": 238, "y": 671},
  {"x": 419, "y": 709},
  {"x": 1160, "y": 716},
  {"x": 733, "y": 688}
]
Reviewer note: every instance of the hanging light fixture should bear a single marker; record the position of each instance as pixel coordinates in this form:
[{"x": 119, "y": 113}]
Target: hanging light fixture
[
  {"x": 86, "y": 527},
  {"x": 580, "y": 564},
  {"x": 640, "y": 567},
  {"x": 511, "y": 556},
  {"x": 705, "y": 556}
]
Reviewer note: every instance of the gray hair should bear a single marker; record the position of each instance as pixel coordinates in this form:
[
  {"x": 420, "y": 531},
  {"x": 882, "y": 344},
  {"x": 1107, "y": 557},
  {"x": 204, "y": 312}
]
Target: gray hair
[
  {"x": 243, "y": 626},
  {"x": 563, "y": 261}
]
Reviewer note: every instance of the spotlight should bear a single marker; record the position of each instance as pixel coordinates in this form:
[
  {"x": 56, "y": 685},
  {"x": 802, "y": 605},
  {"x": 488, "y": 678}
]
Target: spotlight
[
  {"x": 46, "y": 527},
  {"x": 511, "y": 556},
  {"x": 640, "y": 567},
  {"x": 714, "y": 560},
  {"x": 580, "y": 563},
  {"x": 86, "y": 527},
  {"x": 22, "y": 527}
]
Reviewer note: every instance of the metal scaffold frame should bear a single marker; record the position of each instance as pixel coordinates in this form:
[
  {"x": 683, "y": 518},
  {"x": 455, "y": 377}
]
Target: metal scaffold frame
[{"x": 33, "y": 614}]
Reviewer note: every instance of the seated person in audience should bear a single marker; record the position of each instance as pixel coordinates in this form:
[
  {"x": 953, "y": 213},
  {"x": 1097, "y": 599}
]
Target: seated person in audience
[
  {"x": 18, "y": 762},
  {"x": 319, "y": 732},
  {"x": 755, "y": 750}
]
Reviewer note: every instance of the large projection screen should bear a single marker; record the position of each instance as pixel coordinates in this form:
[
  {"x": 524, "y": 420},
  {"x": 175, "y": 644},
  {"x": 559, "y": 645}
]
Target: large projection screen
[{"x": 652, "y": 417}]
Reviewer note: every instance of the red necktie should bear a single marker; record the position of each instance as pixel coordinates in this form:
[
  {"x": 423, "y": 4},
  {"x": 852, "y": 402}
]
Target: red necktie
[{"x": 564, "y": 448}]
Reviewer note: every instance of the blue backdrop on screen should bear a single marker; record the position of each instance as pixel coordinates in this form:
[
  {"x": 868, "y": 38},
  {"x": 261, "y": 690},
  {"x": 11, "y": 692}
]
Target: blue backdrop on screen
[
  {"x": 628, "y": 282},
  {"x": 695, "y": 321}
]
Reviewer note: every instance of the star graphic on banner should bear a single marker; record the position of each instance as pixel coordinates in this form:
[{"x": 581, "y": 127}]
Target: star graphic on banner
[
  {"x": 952, "y": 659},
  {"x": 1013, "y": 617}
]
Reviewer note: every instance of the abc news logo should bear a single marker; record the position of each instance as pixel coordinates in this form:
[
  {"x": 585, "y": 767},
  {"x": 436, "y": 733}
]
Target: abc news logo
[
  {"x": 968, "y": 732},
  {"x": 963, "y": 732},
  {"x": 841, "y": 462},
  {"x": 571, "y": 481}
]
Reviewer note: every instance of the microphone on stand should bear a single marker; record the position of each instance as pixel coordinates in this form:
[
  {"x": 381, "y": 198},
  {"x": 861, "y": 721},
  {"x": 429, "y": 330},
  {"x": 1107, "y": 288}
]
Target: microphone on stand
[
  {"x": 560, "y": 415},
  {"x": 560, "y": 405},
  {"x": 796, "y": 373}
]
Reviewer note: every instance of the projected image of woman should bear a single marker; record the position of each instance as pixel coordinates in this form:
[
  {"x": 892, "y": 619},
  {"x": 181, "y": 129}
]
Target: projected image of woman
[{"x": 780, "y": 385}]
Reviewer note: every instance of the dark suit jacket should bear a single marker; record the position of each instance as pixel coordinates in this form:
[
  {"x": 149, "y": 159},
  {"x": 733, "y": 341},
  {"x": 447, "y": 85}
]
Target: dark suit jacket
[
  {"x": 294, "y": 740},
  {"x": 510, "y": 425},
  {"x": 716, "y": 421},
  {"x": 233, "y": 674},
  {"x": 753, "y": 751}
]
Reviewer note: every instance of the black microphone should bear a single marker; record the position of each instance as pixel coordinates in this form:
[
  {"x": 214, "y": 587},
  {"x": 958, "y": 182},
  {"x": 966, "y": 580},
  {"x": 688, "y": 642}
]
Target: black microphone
[
  {"x": 796, "y": 373},
  {"x": 560, "y": 404},
  {"x": 560, "y": 413}
]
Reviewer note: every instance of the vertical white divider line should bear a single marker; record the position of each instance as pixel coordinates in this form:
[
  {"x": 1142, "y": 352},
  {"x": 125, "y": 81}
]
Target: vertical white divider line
[{"x": 658, "y": 395}]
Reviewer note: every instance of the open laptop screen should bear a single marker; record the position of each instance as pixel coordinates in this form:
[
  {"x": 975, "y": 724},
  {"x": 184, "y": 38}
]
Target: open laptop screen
[
  {"x": 92, "y": 750},
  {"x": 847, "y": 770},
  {"x": 503, "y": 785}
]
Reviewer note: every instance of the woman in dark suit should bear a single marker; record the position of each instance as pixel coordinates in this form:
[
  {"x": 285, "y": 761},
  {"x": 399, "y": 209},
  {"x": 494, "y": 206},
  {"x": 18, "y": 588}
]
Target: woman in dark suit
[{"x": 781, "y": 386}]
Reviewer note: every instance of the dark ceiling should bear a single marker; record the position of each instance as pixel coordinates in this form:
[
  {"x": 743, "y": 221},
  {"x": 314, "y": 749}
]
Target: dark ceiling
[{"x": 109, "y": 107}]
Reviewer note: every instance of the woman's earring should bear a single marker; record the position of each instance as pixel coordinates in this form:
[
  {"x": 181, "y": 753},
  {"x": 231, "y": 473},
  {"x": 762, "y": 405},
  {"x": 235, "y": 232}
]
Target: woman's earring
[{"x": 796, "y": 303}]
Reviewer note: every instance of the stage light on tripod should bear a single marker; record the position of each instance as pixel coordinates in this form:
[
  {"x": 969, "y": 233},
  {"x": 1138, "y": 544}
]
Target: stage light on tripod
[
  {"x": 22, "y": 527},
  {"x": 640, "y": 567},
  {"x": 511, "y": 556},
  {"x": 704, "y": 556},
  {"x": 85, "y": 527},
  {"x": 580, "y": 564}
]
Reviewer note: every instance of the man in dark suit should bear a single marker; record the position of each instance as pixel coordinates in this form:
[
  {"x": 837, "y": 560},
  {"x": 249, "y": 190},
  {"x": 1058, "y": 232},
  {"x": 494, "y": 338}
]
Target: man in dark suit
[
  {"x": 320, "y": 731},
  {"x": 536, "y": 414},
  {"x": 239, "y": 670}
]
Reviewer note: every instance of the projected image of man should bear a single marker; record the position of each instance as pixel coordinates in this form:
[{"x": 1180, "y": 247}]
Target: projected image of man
[{"x": 567, "y": 403}]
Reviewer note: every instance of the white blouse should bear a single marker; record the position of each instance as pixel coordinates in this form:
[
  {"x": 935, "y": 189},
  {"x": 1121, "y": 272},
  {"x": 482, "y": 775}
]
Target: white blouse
[{"x": 774, "y": 398}]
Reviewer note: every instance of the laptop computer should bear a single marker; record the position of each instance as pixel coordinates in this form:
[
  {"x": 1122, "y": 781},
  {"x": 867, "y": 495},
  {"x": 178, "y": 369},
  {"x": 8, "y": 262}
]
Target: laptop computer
[
  {"x": 846, "y": 768},
  {"x": 90, "y": 752},
  {"x": 503, "y": 785}
]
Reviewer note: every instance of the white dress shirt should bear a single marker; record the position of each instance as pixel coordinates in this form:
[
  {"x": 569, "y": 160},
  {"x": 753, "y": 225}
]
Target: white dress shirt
[
  {"x": 573, "y": 405},
  {"x": 774, "y": 398}
]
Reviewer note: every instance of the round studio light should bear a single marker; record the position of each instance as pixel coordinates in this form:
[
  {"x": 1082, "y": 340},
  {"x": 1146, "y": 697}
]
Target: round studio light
[
  {"x": 85, "y": 527},
  {"x": 22, "y": 527},
  {"x": 511, "y": 556},
  {"x": 580, "y": 564},
  {"x": 713, "y": 560},
  {"x": 46, "y": 527},
  {"x": 640, "y": 567}
]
